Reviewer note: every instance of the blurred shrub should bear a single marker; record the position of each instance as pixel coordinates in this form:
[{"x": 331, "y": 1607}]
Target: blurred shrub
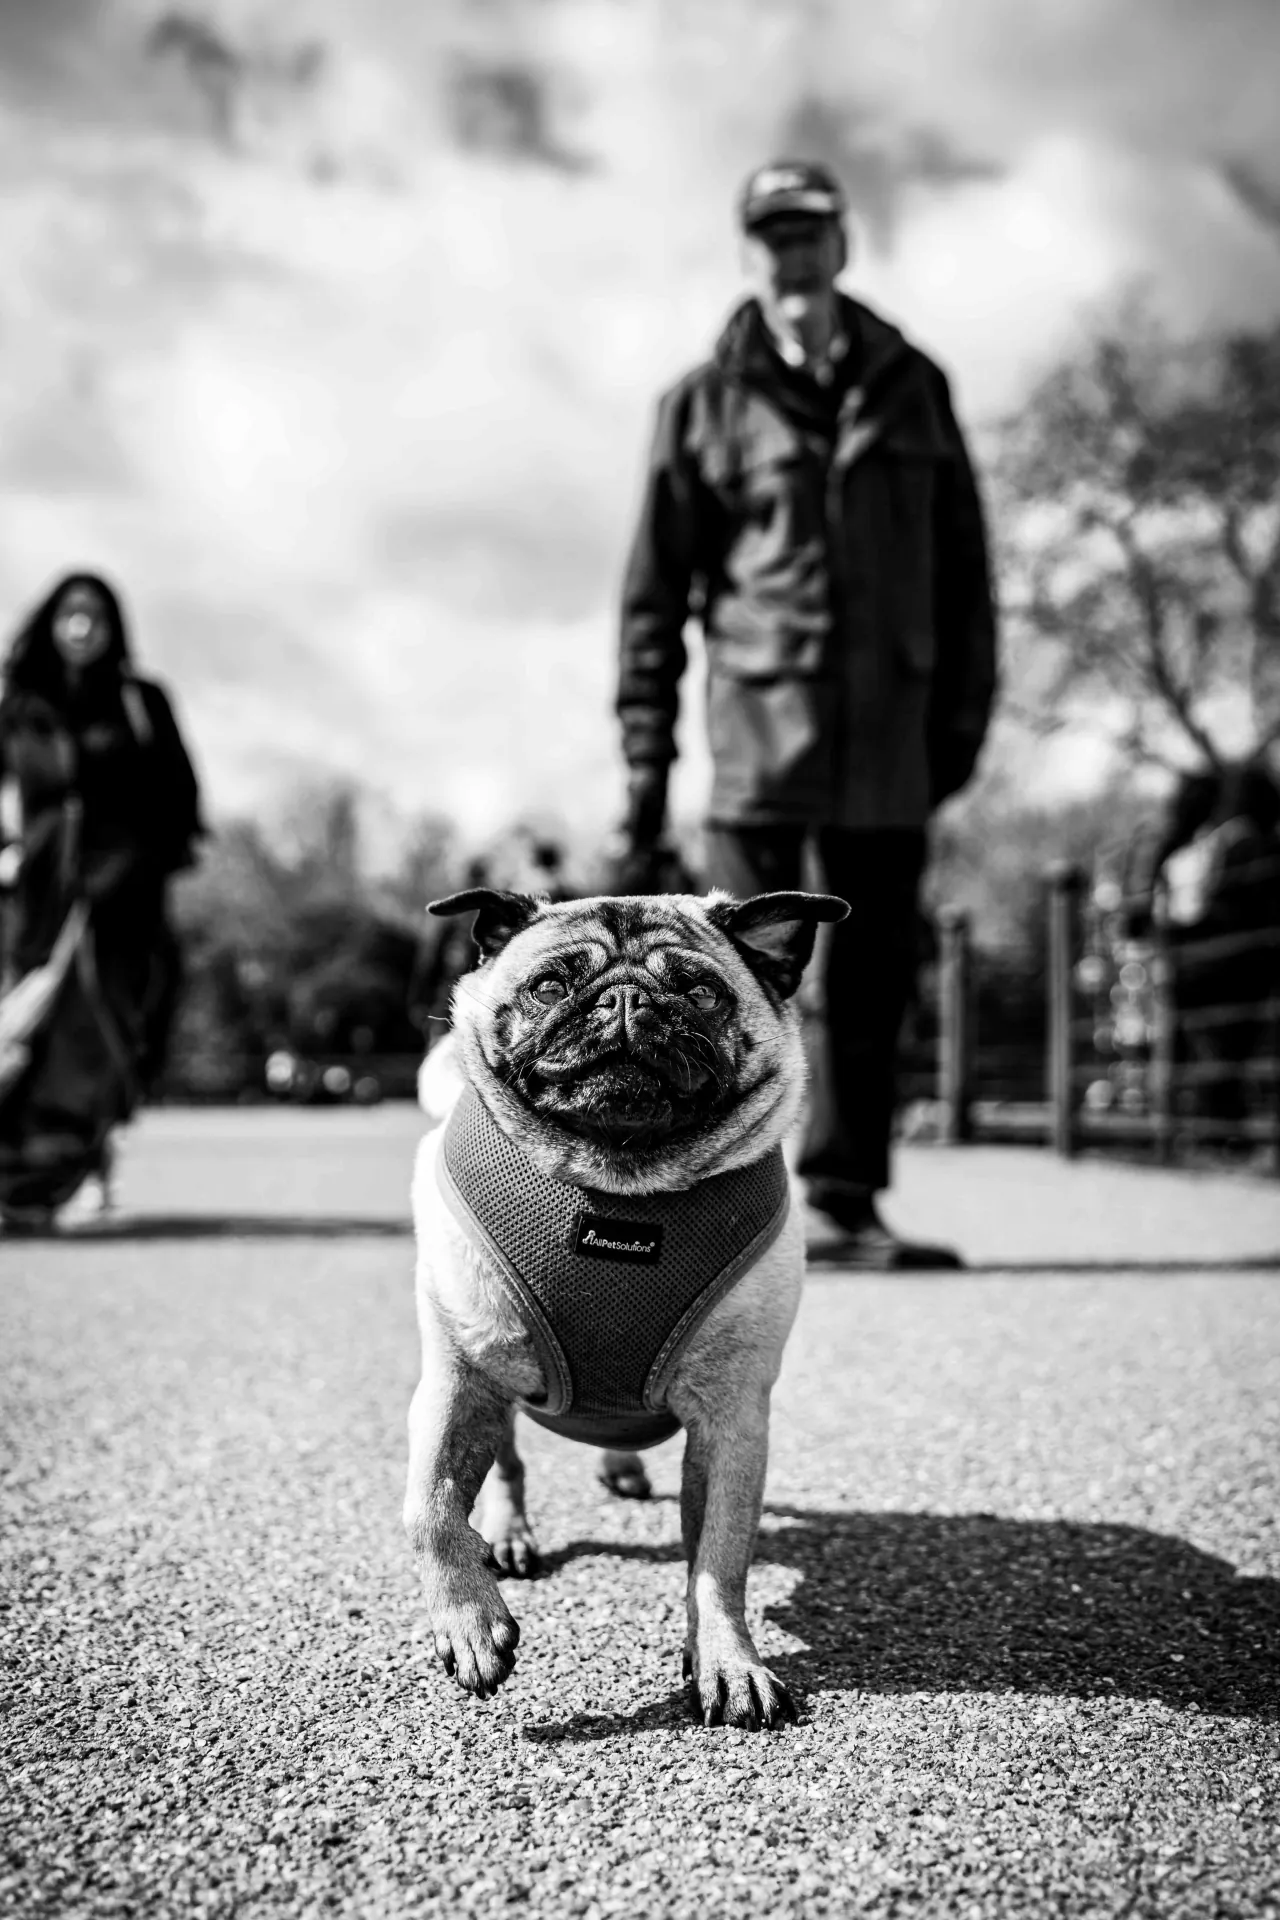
[{"x": 292, "y": 942}]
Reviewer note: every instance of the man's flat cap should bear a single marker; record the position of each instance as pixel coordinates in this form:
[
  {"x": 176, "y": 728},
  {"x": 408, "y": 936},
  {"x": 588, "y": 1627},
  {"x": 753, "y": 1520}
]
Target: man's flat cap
[{"x": 790, "y": 186}]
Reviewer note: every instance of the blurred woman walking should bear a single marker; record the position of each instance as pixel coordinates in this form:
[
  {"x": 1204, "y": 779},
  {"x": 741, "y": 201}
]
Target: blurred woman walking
[{"x": 99, "y": 806}]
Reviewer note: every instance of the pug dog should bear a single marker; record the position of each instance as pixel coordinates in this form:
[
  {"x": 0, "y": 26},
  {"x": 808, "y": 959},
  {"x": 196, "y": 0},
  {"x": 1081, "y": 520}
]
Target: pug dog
[{"x": 604, "y": 1240}]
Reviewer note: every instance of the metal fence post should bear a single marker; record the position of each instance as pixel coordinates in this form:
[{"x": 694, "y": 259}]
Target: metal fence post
[
  {"x": 955, "y": 1026},
  {"x": 1163, "y": 1038},
  {"x": 1065, "y": 883}
]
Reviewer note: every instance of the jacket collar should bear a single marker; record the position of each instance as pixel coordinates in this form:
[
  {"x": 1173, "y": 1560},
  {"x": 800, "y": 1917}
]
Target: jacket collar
[{"x": 746, "y": 356}]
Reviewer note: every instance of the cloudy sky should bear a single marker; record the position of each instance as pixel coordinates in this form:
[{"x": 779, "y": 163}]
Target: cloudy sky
[{"x": 332, "y": 328}]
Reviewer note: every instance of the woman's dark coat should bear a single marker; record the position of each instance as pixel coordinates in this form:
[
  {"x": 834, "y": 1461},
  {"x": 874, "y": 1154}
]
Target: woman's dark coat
[{"x": 109, "y": 810}]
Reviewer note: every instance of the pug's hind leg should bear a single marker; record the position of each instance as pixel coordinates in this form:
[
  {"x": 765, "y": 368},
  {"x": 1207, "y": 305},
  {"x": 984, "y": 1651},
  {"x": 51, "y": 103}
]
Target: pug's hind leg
[
  {"x": 624, "y": 1474},
  {"x": 455, "y": 1425},
  {"x": 500, "y": 1515}
]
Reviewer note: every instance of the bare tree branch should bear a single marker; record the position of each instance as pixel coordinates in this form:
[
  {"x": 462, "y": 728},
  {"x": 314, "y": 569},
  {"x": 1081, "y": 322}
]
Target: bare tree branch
[
  {"x": 1143, "y": 486},
  {"x": 1233, "y": 543},
  {"x": 1149, "y": 596},
  {"x": 1261, "y": 582}
]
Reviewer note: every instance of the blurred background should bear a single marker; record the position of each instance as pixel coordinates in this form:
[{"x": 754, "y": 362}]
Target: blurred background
[{"x": 332, "y": 331}]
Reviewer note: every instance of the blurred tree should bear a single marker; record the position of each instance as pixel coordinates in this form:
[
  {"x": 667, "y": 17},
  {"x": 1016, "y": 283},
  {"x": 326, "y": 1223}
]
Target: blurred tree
[
  {"x": 993, "y": 847},
  {"x": 317, "y": 837},
  {"x": 291, "y": 942},
  {"x": 428, "y": 867},
  {"x": 1138, "y": 503},
  {"x": 235, "y": 947}
]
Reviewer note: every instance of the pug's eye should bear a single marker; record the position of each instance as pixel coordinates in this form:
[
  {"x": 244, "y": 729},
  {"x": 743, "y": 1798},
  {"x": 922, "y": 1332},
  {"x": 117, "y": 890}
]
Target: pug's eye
[
  {"x": 704, "y": 996},
  {"x": 549, "y": 990}
]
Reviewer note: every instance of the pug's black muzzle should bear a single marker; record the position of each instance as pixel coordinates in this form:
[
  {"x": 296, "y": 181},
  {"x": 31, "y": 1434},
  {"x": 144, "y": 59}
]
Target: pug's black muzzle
[
  {"x": 653, "y": 1062},
  {"x": 626, "y": 1070}
]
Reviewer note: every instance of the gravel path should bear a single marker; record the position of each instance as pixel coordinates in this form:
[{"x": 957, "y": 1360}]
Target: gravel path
[{"x": 1019, "y": 1562}]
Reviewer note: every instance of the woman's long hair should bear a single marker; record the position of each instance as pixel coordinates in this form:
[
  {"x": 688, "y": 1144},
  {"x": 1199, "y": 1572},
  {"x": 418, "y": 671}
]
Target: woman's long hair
[{"x": 33, "y": 664}]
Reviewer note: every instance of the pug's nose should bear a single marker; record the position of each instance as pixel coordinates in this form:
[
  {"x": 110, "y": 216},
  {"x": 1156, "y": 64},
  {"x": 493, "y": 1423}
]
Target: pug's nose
[{"x": 622, "y": 1003}]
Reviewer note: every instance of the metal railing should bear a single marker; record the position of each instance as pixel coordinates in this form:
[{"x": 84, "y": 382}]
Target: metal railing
[{"x": 1156, "y": 1035}]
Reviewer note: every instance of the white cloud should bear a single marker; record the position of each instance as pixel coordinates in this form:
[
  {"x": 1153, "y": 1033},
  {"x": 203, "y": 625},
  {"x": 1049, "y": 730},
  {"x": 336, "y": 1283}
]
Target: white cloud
[{"x": 358, "y": 417}]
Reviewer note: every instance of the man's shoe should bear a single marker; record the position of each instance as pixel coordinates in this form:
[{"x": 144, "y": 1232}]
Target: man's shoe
[
  {"x": 862, "y": 1240},
  {"x": 90, "y": 1205},
  {"x": 30, "y": 1220}
]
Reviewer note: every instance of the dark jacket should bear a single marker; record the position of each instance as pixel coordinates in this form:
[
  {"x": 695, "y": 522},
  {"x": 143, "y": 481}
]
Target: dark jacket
[
  {"x": 124, "y": 757},
  {"x": 109, "y": 801},
  {"x": 839, "y": 568}
]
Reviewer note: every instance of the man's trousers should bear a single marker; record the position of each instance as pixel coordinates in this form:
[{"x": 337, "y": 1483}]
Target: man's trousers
[{"x": 867, "y": 978}]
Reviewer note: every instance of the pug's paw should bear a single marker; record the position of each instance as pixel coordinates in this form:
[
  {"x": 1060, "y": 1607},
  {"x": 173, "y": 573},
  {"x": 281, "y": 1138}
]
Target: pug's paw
[
  {"x": 476, "y": 1644},
  {"x": 512, "y": 1548},
  {"x": 624, "y": 1474},
  {"x": 735, "y": 1692}
]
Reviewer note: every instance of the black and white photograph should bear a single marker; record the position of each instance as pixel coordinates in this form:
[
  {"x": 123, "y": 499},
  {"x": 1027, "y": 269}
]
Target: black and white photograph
[{"x": 639, "y": 959}]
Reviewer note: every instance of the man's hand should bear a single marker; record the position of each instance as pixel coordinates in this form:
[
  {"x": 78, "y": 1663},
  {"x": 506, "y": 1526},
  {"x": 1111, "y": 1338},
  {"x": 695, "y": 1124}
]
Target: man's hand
[
  {"x": 646, "y": 807},
  {"x": 641, "y": 861}
]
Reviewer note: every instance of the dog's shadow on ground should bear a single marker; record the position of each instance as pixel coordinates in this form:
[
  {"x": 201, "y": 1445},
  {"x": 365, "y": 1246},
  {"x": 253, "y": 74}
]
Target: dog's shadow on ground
[{"x": 891, "y": 1603}]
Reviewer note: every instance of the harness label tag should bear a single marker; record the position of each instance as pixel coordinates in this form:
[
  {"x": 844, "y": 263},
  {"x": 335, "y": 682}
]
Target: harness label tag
[{"x": 638, "y": 1242}]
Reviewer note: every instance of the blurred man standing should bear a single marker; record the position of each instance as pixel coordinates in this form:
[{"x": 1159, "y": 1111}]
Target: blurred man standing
[{"x": 810, "y": 500}]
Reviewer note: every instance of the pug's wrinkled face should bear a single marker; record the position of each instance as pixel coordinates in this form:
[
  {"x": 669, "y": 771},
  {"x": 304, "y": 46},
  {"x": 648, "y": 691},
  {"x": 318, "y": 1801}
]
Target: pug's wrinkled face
[
  {"x": 635, "y": 1023},
  {"x": 621, "y": 1026}
]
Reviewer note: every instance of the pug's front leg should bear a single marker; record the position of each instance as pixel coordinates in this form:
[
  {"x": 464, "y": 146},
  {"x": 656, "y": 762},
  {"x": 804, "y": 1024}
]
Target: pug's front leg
[
  {"x": 726, "y": 1453},
  {"x": 456, "y": 1424}
]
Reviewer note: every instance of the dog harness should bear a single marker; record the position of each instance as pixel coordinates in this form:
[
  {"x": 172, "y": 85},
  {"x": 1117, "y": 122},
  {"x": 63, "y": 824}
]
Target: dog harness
[{"x": 610, "y": 1287}]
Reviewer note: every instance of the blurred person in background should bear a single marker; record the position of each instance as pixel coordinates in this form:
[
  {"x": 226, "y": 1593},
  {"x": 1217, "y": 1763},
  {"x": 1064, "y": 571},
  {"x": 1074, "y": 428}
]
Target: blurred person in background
[
  {"x": 1217, "y": 864},
  {"x": 810, "y": 500},
  {"x": 99, "y": 807}
]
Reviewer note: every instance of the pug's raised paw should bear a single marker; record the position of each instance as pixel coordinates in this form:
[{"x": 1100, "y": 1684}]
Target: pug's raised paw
[
  {"x": 476, "y": 1645},
  {"x": 739, "y": 1694}
]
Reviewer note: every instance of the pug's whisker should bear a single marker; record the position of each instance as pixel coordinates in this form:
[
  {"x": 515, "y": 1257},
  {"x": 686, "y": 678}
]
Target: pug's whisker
[
  {"x": 469, "y": 990},
  {"x": 516, "y": 1076},
  {"x": 683, "y": 1060}
]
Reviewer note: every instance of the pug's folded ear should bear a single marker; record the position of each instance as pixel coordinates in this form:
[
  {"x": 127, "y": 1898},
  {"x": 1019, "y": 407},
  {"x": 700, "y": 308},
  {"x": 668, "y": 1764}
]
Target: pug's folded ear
[
  {"x": 499, "y": 916},
  {"x": 775, "y": 932}
]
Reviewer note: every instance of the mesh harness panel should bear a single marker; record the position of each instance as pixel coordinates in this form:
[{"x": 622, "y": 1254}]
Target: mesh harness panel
[{"x": 610, "y": 1287}]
